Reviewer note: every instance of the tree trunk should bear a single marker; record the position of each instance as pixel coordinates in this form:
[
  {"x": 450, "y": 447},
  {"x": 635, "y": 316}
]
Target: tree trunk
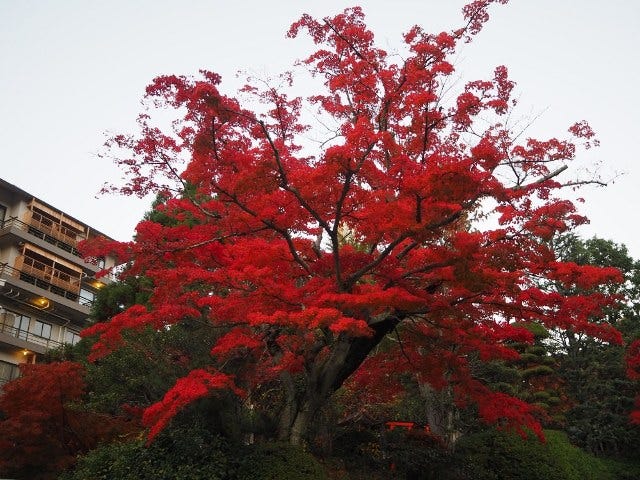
[
  {"x": 300, "y": 426},
  {"x": 324, "y": 378},
  {"x": 289, "y": 409},
  {"x": 441, "y": 413}
]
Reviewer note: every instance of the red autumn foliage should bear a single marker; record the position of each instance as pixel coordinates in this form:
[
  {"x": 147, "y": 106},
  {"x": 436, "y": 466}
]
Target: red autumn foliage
[
  {"x": 633, "y": 371},
  {"x": 197, "y": 384},
  {"x": 41, "y": 433},
  {"x": 308, "y": 258}
]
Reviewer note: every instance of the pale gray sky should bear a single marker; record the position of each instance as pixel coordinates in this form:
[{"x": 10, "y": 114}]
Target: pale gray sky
[{"x": 71, "y": 70}]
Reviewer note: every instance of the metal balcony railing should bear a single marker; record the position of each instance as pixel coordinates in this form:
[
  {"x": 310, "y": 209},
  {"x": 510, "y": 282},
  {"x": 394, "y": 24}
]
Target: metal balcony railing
[
  {"x": 39, "y": 280},
  {"x": 29, "y": 337},
  {"x": 47, "y": 233}
]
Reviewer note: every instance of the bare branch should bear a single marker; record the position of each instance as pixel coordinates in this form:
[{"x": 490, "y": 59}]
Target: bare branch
[{"x": 543, "y": 179}]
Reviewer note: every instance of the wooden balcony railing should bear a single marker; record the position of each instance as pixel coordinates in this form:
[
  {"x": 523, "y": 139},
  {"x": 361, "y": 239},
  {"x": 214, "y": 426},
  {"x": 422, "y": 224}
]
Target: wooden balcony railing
[
  {"x": 55, "y": 230},
  {"x": 20, "y": 273},
  {"x": 58, "y": 278},
  {"x": 46, "y": 234},
  {"x": 8, "y": 271}
]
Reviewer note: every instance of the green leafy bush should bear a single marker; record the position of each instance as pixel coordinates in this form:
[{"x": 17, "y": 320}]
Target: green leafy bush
[
  {"x": 417, "y": 455},
  {"x": 623, "y": 469},
  {"x": 177, "y": 454},
  {"x": 279, "y": 461},
  {"x": 358, "y": 446},
  {"x": 493, "y": 455},
  {"x": 398, "y": 454}
]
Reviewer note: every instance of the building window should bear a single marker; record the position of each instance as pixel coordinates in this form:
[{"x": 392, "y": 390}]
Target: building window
[
  {"x": 86, "y": 297},
  {"x": 21, "y": 325},
  {"x": 101, "y": 262},
  {"x": 8, "y": 372},
  {"x": 3, "y": 212},
  {"x": 42, "y": 329},
  {"x": 71, "y": 337}
]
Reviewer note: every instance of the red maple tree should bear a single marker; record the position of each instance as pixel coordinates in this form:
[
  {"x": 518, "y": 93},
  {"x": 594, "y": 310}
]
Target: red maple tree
[
  {"x": 633, "y": 371},
  {"x": 42, "y": 427},
  {"x": 306, "y": 259}
]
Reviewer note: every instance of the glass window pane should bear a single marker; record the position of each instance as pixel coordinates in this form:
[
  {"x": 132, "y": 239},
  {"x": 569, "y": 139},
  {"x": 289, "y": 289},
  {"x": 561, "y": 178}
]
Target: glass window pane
[
  {"x": 86, "y": 297},
  {"x": 8, "y": 371},
  {"x": 42, "y": 329},
  {"x": 71, "y": 337},
  {"x": 21, "y": 325}
]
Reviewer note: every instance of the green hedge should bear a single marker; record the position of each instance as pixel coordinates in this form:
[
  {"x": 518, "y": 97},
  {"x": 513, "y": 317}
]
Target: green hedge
[{"x": 493, "y": 455}]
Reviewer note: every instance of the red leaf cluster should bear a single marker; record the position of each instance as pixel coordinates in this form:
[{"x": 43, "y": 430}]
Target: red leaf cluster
[
  {"x": 43, "y": 429},
  {"x": 197, "y": 384}
]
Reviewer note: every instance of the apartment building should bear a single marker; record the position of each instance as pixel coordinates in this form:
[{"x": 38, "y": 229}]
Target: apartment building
[{"x": 46, "y": 288}]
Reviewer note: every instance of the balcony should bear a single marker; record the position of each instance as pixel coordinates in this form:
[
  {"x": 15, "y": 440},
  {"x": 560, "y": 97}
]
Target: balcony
[
  {"x": 54, "y": 231},
  {"x": 29, "y": 337},
  {"x": 57, "y": 279},
  {"x": 50, "y": 234},
  {"x": 50, "y": 280}
]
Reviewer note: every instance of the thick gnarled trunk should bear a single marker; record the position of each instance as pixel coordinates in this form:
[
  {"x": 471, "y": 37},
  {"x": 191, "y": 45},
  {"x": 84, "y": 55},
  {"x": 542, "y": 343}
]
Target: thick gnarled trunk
[
  {"x": 441, "y": 413},
  {"x": 324, "y": 378}
]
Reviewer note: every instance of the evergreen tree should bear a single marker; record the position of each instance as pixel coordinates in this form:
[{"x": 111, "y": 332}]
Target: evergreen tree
[{"x": 594, "y": 371}]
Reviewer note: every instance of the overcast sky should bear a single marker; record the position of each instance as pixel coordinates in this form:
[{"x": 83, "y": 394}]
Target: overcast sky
[{"x": 71, "y": 70}]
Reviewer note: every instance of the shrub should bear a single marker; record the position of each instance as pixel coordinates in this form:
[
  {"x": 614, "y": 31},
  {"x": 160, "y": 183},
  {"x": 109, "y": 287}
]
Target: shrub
[
  {"x": 493, "y": 455},
  {"x": 414, "y": 454},
  {"x": 417, "y": 455},
  {"x": 278, "y": 461},
  {"x": 358, "y": 446},
  {"x": 177, "y": 454},
  {"x": 623, "y": 469}
]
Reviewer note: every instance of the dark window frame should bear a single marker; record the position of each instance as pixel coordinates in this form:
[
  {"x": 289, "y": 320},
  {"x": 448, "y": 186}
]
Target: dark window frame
[
  {"x": 39, "y": 327},
  {"x": 22, "y": 331},
  {"x": 12, "y": 370}
]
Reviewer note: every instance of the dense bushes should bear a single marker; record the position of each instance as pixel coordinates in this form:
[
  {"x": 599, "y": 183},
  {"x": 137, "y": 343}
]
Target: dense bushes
[
  {"x": 485, "y": 455},
  {"x": 492, "y": 455},
  {"x": 194, "y": 453},
  {"x": 372, "y": 454},
  {"x": 277, "y": 461},
  {"x": 418, "y": 455},
  {"x": 177, "y": 454},
  {"x": 192, "y": 460}
]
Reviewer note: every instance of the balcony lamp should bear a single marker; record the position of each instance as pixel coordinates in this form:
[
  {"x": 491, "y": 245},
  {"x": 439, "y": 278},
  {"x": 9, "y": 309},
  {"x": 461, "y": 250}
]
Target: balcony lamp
[
  {"x": 25, "y": 352},
  {"x": 97, "y": 284},
  {"x": 41, "y": 303}
]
